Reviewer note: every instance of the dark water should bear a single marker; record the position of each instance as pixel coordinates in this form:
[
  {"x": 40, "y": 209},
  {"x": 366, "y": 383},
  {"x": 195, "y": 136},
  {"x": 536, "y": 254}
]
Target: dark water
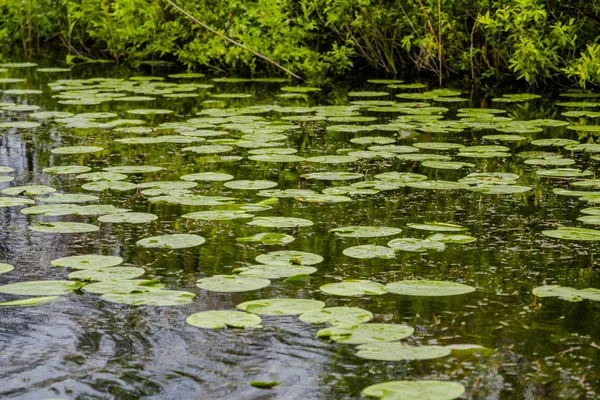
[{"x": 87, "y": 348}]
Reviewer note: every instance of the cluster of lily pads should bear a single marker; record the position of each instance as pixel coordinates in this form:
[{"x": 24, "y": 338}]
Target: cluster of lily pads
[{"x": 382, "y": 132}]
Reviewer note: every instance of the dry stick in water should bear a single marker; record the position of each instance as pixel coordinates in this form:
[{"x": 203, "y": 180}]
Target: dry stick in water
[{"x": 231, "y": 40}]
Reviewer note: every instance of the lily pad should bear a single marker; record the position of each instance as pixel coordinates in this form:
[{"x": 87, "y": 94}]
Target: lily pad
[
  {"x": 123, "y": 286},
  {"x": 353, "y": 287},
  {"x": 52, "y": 210},
  {"x": 29, "y": 302},
  {"x": 107, "y": 274},
  {"x": 155, "y": 297},
  {"x": 267, "y": 238},
  {"x": 67, "y": 169},
  {"x": 573, "y": 234},
  {"x": 103, "y": 186},
  {"x": 400, "y": 352},
  {"x": 437, "y": 185},
  {"x": 438, "y": 227},
  {"x": 332, "y": 176},
  {"x": 219, "y": 319},
  {"x": 77, "y": 150},
  {"x": 280, "y": 306},
  {"x": 134, "y": 169},
  {"x": 369, "y": 251},
  {"x": 14, "y": 202},
  {"x": 217, "y": 215},
  {"x": 87, "y": 261},
  {"x": 416, "y": 245},
  {"x": 337, "y": 316},
  {"x": 366, "y": 333},
  {"x": 563, "y": 173},
  {"x": 450, "y": 238},
  {"x": 4, "y": 268},
  {"x": 428, "y": 288},
  {"x": 447, "y": 164},
  {"x": 280, "y": 222},
  {"x": 68, "y": 198},
  {"x": 250, "y": 185},
  {"x": 32, "y": 190},
  {"x": 128, "y": 218},
  {"x": 232, "y": 283},
  {"x": 415, "y": 390},
  {"x": 365, "y": 231},
  {"x": 172, "y": 241},
  {"x": 274, "y": 271},
  {"x": 289, "y": 257},
  {"x": 567, "y": 293},
  {"x": 36, "y": 288},
  {"x": 63, "y": 227}
]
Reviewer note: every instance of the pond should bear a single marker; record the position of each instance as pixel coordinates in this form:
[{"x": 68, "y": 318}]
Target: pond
[{"x": 185, "y": 236}]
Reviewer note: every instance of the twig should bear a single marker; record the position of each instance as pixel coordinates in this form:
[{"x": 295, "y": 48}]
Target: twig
[{"x": 231, "y": 40}]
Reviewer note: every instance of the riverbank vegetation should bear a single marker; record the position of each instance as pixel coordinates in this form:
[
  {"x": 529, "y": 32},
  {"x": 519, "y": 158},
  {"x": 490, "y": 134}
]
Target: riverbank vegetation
[{"x": 533, "y": 41}]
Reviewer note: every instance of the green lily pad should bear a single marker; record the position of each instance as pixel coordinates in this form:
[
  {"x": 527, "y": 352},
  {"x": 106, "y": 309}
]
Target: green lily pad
[
  {"x": 87, "y": 261},
  {"x": 591, "y": 211},
  {"x": 207, "y": 177},
  {"x": 300, "y": 89},
  {"x": 366, "y": 333},
  {"x": 20, "y": 124},
  {"x": 102, "y": 176},
  {"x": 123, "y": 286},
  {"x": 149, "y": 111},
  {"x": 280, "y": 222},
  {"x": 373, "y": 140},
  {"x": 437, "y": 185},
  {"x": 217, "y": 215},
  {"x": 353, "y": 287},
  {"x": 567, "y": 293},
  {"x": 193, "y": 200},
  {"x": 555, "y": 161},
  {"x": 505, "y": 138},
  {"x": 68, "y": 198},
  {"x": 497, "y": 189},
  {"x": 63, "y": 227},
  {"x": 67, "y": 169},
  {"x": 289, "y": 257},
  {"x": 402, "y": 177},
  {"x": 4, "y": 268},
  {"x": 440, "y": 146},
  {"x": 490, "y": 178},
  {"x": 365, "y": 231},
  {"x": 280, "y": 306},
  {"x": 103, "y": 186},
  {"x": 337, "y": 316},
  {"x": 428, "y": 288},
  {"x": 400, "y": 352},
  {"x": 232, "y": 283},
  {"x": 563, "y": 173},
  {"x": 275, "y": 271},
  {"x": 107, "y": 274},
  {"x": 416, "y": 390},
  {"x": 450, "y": 238},
  {"x": 208, "y": 149},
  {"x": 277, "y": 158},
  {"x": 36, "y": 288},
  {"x": 332, "y": 176},
  {"x": 128, "y": 218},
  {"x": 219, "y": 319},
  {"x": 369, "y": 251},
  {"x": 155, "y": 297},
  {"x": 32, "y": 190},
  {"x": 438, "y": 227},
  {"x": 423, "y": 157},
  {"x": 172, "y": 241},
  {"x": 267, "y": 238},
  {"x": 52, "y": 210},
  {"x": 134, "y": 169},
  {"x": 29, "y": 302},
  {"x": 250, "y": 185},
  {"x": 447, "y": 164},
  {"x": 554, "y": 142},
  {"x": 573, "y": 234},
  {"x": 416, "y": 245},
  {"x": 77, "y": 150},
  {"x": 14, "y": 202}
]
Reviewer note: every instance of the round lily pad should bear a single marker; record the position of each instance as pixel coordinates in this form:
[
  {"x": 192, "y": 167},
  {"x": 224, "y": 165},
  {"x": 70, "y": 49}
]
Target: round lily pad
[
  {"x": 567, "y": 293},
  {"x": 63, "y": 227},
  {"x": 416, "y": 245},
  {"x": 366, "y": 333},
  {"x": 77, "y": 150},
  {"x": 14, "y": 201},
  {"x": 52, "y": 210},
  {"x": 447, "y": 164},
  {"x": 102, "y": 186},
  {"x": 67, "y": 169},
  {"x": 400, "y": 352},
  {"x": 155, "y": 297},
  {"x": 250, "y": 185},
  {"x": 428, "y": 288},
  {"x": 437, "y": 185},
  {"x": 128, "y": 218},
  {"x": 88, "y": 261},
  {"x": 232, "y": 283},
  {"x": 280, "y": 222},
  {"x": 217, "y": 215},
  {"x": 280, "y": 306},
  {"x": 353, "y": 287},
  {"x": 369, "y": 251},
  {"x": 32, "y": 190},
  {"x": 30, "y": 302},
  {"x": 36, "y": 288},
  {"x": 278, "y": 158},
  {"x": 337, "y": 316},
  {"x": 207, "y": 177},
  {"x": 438, "y": 227},
  {"x": 425, "y": 390},
  {"x": 107, "y": 274},
  {"x": 289, "y": 257},
  {"x": 68, "y": 198},
  {"x": 20, "y": 124},
  {"x": 497, "y": 189},
  {"x": 134, "y": 169},
  {"x": 267, "y": 238},
  {"x": 449, "y": 238},
  {"x": 223, "y": 319},
  {"x": 573, "y": 234},
  {"x": 123, "y": 286},
  {"x": 365, "y": 231},
  {"x": 4, "y": 268},
  {"x": 563, "y": 173},
  {"x": 332, "y": 176},
  {"x": 274, "y": 271},
  {"x": 172, "y": 241}
]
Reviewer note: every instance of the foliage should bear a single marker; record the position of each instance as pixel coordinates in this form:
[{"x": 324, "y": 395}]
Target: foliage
[{"x": 532, "y": 40}]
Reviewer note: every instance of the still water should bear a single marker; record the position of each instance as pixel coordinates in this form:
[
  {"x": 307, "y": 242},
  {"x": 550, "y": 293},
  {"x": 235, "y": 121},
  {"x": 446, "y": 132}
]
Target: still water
[{"x": 84, "y": 347}]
